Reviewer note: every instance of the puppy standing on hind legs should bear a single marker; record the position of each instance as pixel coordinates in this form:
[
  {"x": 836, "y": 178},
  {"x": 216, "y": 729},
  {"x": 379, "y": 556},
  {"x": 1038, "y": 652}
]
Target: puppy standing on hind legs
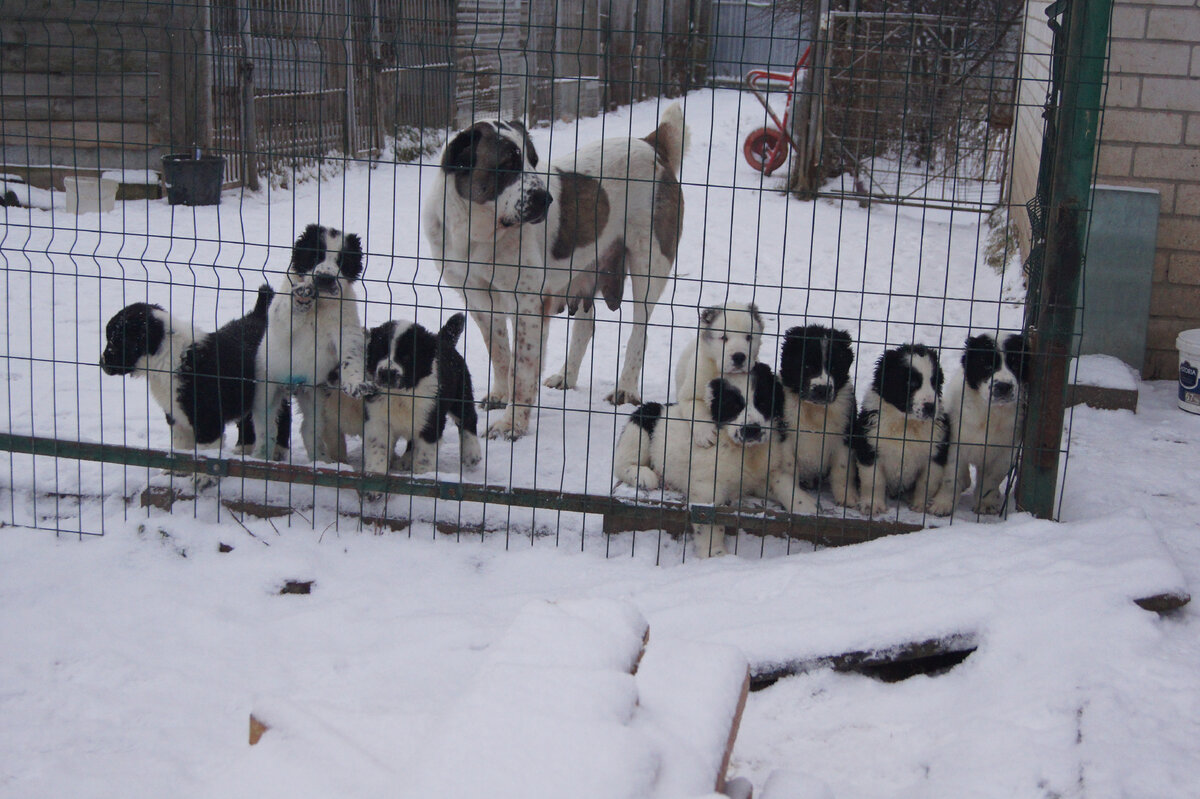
[
  {"x": 983, "y": 402},
  {"x": 901, "y": 437},
  {"x": 314, "y": 338}
]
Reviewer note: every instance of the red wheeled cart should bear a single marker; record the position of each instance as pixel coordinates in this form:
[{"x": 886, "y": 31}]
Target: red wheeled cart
[{"x": 766, "y": 148}]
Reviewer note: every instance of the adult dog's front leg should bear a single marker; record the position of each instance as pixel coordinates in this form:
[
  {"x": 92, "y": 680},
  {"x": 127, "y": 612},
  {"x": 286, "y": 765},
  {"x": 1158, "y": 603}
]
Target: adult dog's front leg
[
  {"x": 529, "y": 344},
  {"x": 494, "y": 327},
  {"x": 583, "y": 324}
]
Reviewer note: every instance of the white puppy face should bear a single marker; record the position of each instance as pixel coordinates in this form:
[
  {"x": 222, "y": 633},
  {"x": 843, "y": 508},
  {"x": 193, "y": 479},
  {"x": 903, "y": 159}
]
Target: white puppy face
[
  {"x": 324, "y": 261},
  {"x": 732, "y": 336},
  {"x": 491, "y": 165}
]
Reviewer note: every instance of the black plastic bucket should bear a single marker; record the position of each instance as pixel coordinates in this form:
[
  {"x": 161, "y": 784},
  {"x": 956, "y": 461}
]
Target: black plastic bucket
[{"x": 193, "y": 181}]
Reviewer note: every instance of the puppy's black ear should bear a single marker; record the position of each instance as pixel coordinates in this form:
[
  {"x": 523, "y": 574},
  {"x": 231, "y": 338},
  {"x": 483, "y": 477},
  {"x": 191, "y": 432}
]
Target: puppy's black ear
[
  {"x": 379, "y": 344},
  {"x": 938, "y": 377},
  {"x": 460, "y": 152},
  {"x": 308, "y": 249},
  {"x": 350, "y": 260},
  {"x": 843, "y": 353},
  {"x": 1016, "y": 355},
  {"x": 757, "y": 317},
  {"x": 708, "y": 316},
  {"x": 530, "y": 150}
]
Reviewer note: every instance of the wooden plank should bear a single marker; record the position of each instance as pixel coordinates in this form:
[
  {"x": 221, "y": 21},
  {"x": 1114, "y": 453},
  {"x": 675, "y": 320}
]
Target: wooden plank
[
  {"x": 77, "y": 134},
  {"x": 1105, "y": 399},
  {"x": 81, "y": 84},
  {"x": 61, "y": 109}
]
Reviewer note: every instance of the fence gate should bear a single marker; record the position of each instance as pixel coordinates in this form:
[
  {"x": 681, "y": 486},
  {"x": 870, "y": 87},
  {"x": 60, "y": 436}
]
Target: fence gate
[{"x": 919, "y": 107}]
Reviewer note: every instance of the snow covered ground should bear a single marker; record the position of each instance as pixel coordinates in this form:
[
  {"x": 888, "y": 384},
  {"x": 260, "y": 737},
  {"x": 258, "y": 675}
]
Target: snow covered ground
[{"x": 131, "y": 662}]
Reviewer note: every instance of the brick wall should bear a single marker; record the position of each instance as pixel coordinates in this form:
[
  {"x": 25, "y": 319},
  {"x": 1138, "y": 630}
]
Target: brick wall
[{"x": 1151, "y": 138}]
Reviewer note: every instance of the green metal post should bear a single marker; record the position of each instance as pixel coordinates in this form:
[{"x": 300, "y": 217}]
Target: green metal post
[{"x": 1077, "y": 74}]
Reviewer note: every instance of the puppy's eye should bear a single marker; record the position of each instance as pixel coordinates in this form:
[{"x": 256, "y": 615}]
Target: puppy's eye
[
  {"x": 749, "y": 337},
  {"x": 724, "y": 337}
]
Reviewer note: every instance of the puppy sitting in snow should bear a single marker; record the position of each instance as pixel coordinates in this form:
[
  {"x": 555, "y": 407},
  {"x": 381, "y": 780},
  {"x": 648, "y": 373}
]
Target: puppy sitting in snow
[
  {"x": 901, "y": 437},
  {"x": 814, "y": 367},
  {"x": 422, "y": 378},
  {"x": 983, "y": 403},
  {"x": 726, "y": 347},
  {"x": 314, "y": 338},
  {"x": 202, "y": 381},
  {"x": 655, "y": 449}
]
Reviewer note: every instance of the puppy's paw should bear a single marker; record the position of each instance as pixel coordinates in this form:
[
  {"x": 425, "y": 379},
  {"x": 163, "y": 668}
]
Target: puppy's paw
[
  {"x": 558, "y": 381},
  {"x": 990, "y": 503},
  {"x": 203, "y": 482},
  {"x": 872, "y": 508},
  {"x": 803, "y": 504},
  {"x": 469, "y": 450},
  {"x": 704, "y": 435},
  {"x": 370, "y": 496},
  {"x": 647, "y": 479},
  {"x": 624, "y": 396},
  {"x": 941, "y": 505},
  {"x": 362, "y": 390}
]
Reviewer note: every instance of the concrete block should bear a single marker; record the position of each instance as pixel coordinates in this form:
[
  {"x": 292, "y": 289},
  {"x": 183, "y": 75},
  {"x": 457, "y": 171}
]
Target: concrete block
[
  {"x": 1166, "y": 162},
  {"x": 1150, "y": 58},
  {"x": 1171, "y": 94},
  {"x": 1152, "y": 127}
]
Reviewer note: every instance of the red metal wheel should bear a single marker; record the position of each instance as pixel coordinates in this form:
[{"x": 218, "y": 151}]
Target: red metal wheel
[{"x": 765, "y": 149}]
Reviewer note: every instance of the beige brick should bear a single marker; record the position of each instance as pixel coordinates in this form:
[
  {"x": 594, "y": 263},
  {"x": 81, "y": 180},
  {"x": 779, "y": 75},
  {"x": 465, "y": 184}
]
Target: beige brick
[
  {"x": 1172, "y": 94},
  {"x": 1161, "y": 365},
  {"x": 1166, "y": 162},
  {"x": 1195, "y": 73},
  {"x": 1183, "y": 268},
  {"x": 1193, "y": 130},
  {"x": 1149, "y": 127},
  {"x": 1187, "y": 201},
  {"x": 1179, "y": 233},
  {"x": 1174, "y": 24},
  {"x": 1114, "y": 161},
  {"x": 1150, "y": 58},
  {"x": 1169, "y": 299},
  {"x": 1162, "y": 264},
  {"x": 1161, "y": 333},
  {"x": 1124, "y": 91},
  {"x": 1128, "y": 22}
]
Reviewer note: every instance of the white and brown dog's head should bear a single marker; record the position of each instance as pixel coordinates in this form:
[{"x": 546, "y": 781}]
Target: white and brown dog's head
[
  {"x": 491, "y": 164},
  {"x": 324, "y": 261},
  {"x": 731, "y": 336}
]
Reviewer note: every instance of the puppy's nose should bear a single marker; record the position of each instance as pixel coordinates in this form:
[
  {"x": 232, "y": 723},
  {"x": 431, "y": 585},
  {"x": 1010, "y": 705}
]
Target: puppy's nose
[
  {"x": 325, "y": 282},
  {"x": 304, "y": 291},
  {"x": 738, "y": 359},
  {"x": 752, "y": 432},
  {"x": 928, "y": 409},
  {"x": 537, "y": 205},
  {"x": 387, "y": 376},
  {"x": 1002, "y": 390},
  {"x": 821, "y": 393}
]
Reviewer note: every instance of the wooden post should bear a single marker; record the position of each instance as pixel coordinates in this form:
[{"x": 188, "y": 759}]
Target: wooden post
[
  {"x": 351, "y": 127},
  {"x": 249, "y": 132},
  {"x": 807, "y": 120},
  {"x": 189, "y": 102}
]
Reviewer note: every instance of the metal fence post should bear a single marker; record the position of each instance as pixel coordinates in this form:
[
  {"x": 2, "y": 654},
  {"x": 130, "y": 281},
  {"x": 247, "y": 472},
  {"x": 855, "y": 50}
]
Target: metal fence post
[{"x": 1068, "y": 150}]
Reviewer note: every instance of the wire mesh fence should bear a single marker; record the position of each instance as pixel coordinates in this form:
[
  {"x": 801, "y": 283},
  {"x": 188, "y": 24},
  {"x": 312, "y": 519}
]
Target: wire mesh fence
[{"x": 575, "y": 180}]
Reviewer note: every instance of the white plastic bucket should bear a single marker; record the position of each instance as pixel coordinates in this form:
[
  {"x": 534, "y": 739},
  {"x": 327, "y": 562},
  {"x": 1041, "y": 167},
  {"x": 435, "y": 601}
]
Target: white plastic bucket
[
  {"x": 86, "y": 195},
  {"x": 1188, "y": 344}
]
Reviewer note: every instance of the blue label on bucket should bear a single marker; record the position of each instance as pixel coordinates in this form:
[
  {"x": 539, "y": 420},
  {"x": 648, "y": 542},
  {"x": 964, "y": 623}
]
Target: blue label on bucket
[{"x": 1189, "y": 383}]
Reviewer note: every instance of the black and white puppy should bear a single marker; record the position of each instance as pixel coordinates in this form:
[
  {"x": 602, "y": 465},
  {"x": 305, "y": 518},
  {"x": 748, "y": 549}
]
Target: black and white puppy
[
  {"x": 814, "y": 367},
  {"x": 726, "y": 346},
  {"x": 202, "y": 381},
  {"x": 984, "y": 403},
  {"x": 421, "y": 378},
  {"x": 314, "y": 336},
  {"x": 655, "y": 450},
  {"x": 901, "y": 437}
]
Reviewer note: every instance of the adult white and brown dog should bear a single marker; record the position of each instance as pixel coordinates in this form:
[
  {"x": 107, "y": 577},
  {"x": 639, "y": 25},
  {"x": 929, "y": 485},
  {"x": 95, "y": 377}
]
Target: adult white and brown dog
[
  {"x": 522, "y": 245},
  {"x": 984, "y": 404},
  {"x": 726, "y": 346},
  {"x": 655, "y": 449},
  {"x": 314, "y": 339}
]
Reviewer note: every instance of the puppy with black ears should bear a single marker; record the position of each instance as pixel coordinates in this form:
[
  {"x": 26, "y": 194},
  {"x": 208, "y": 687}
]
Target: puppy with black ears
[
  {"x": 820, "y": 408},
  {"x": 655, "y": 449},
  {"x": 422, "y": 379},
  {"x": 202, "y": 381},
  {"x": 901, "y": 437},
  {"x": 984, "y": 404},
  {"x": 314, "y": 336},
  {"x": 726, "y": 347}
]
